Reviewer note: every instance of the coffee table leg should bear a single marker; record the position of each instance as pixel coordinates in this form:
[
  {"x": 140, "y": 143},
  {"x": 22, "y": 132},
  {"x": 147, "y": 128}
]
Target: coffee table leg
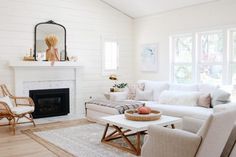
[
  {"x": 124, "y": 137},
  {"x": 105, "y": 132},
  {"x": 172, "y": 126},
  {"x": 138, "y": 143},
  {"x": 118, "y": 133}
]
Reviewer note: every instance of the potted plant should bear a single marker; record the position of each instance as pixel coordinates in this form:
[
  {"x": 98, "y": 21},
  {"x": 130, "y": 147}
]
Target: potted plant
[{"x": 119, "y": 87}]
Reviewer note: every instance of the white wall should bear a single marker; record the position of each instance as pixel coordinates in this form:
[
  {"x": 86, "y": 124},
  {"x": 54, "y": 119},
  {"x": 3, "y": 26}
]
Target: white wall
[
  {"x": 157, "y": 29},
  {"x": 85, "y": 20}
]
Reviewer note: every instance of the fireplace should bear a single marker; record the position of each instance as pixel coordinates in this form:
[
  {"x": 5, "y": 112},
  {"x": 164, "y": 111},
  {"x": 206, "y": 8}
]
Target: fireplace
[{"x": 50, "y": 102}]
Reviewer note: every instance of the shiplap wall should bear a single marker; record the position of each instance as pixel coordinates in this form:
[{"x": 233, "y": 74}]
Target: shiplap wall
[{"x": 86, "y": 22}]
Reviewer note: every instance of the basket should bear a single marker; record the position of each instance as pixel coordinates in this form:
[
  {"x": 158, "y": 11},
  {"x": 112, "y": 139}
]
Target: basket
[{"x": 135, "y": 116}]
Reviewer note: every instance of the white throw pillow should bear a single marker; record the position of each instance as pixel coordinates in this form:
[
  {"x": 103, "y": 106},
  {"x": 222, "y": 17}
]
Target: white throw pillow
[
  {"x": 184, "y": 87},
  {"x": 132, "y": 89},
  {"x": 157, "y": 87},
  {"x": 144, "y": 95},
  {"x": 118, "y": 96},
  {"x": 219, "y": 97},
  {"x": 7, "y": 100},
  {"x": 179, "y": 98}
]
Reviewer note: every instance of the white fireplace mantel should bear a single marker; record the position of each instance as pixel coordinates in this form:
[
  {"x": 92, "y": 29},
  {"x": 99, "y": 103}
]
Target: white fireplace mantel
[
  {"x": 31, "y": 75},
  {"x": 34, "y": 64}
]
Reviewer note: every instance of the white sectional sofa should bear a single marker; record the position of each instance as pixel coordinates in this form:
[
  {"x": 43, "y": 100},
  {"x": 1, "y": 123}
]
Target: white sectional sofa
[{"x": 220, "y": 100}]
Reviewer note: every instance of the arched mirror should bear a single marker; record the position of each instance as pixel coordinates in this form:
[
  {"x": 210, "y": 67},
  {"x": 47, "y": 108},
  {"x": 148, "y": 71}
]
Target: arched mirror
[{"x": 42, "y": 32}]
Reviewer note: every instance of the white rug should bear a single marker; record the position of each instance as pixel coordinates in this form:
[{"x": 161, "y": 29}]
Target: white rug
[{"x": 82, "y": 141}]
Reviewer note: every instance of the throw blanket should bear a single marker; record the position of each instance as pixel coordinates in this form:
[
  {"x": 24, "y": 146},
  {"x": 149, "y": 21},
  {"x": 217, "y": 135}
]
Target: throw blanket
[{"x": 121, "y": 106}]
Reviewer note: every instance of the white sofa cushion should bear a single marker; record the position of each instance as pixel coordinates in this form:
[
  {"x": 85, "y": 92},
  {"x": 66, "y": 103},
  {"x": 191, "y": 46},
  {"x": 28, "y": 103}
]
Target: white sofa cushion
[
  {"x": 156, "y": 86},
  {"x": 7, "y": 100},
  {"x": 181, "y": 111},
  {"x": 207, "y": 88},
  {"x": 184, "y": 87},
  {"x": 146, "y": 95},
  {"x": 22, "y": 109},
  {"x": 179, "y": 98},
  {"x": 223, "y": 107}
]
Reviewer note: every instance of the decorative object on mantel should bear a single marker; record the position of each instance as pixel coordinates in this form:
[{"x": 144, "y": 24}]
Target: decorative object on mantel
[
  {"x": 73, "y": 58},
  {"x": 149, "y": 58},
  {"x": 29, "y": 57},
  {"x": 52, "y": 52},
  {"x": 49, "y": 30}
]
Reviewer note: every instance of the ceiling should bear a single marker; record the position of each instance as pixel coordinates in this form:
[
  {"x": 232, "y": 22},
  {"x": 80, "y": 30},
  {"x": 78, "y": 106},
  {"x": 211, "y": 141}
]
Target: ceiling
[{"x": 141, "y": 8}]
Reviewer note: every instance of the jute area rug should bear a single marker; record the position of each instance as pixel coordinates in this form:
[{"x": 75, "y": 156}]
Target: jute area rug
[{"x": 74, "y": 138}]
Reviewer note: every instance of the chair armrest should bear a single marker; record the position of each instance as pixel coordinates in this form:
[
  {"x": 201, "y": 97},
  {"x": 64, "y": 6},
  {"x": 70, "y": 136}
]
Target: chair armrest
[
  {"x": 223, "y": 107},
  {"x": 23, "y": 101},
  {"x": 192, "y": 124},
  {"x": 4, "y": 108},
  {"x": 168, "y": 142}
]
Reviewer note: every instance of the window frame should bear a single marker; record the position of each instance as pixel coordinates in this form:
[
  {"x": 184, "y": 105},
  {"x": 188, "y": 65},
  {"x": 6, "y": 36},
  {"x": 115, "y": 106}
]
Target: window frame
[
  {"x": 227, "y": 60},
  {"x": 199, "y": 49},
  {"x": 172, "y": 56},
  {"x": 231, "y": 51},
  {"x": 107, "y": 72}
]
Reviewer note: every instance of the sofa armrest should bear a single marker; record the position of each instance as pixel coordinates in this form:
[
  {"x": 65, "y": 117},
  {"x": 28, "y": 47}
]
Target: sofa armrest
[
  {"x": 163, "y": 141},
  {"x": 223, "y": 107},
  {"x": 192, "y": 124}
]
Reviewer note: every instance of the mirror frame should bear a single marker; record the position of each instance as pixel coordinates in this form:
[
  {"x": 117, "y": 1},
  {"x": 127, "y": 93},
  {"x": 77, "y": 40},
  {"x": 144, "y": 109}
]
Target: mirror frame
[{"x": 35, "y": 36}]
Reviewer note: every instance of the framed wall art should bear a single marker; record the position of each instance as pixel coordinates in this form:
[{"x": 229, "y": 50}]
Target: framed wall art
[{"x": 149, "y": 57}]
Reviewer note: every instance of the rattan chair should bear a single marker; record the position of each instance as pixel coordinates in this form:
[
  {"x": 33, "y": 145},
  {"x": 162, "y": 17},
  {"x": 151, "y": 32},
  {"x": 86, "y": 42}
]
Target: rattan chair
[{"x": 20, "y": 107}]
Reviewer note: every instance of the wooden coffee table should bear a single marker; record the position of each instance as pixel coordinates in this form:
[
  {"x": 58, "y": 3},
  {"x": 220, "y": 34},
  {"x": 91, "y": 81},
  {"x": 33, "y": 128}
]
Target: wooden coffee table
[{"x": 124, "y": 128}]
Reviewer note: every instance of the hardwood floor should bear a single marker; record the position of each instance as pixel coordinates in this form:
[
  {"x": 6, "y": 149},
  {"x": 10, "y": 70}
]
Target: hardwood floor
[{"x": 20, "y": 145}]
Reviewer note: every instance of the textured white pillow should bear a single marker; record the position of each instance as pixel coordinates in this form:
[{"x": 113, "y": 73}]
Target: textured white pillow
[
  {"x": 7, "y": 100},
  {"x": 184, "y": 87},
  {"x": 132, "y": 89},
  {"x": 219, "y": 97},
  {"x": 144, "y": 95},
  {"x": 118, "y": 96},
  {"x": 157, "y": 87},
  {"x": 179, "y": 98}
]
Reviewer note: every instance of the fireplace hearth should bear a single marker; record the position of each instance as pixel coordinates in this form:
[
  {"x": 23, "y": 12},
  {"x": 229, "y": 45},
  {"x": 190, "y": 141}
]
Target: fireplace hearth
[{"x": 50, "y": 102}]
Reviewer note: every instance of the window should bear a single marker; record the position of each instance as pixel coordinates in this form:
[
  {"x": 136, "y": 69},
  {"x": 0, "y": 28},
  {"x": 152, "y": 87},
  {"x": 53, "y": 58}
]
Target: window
[
  {"x": 211, "y": 57},
  {"x": 203, "y": 57},
  {"x": 233, "y": 56},
  {"x": 110, "y": 56},
  {"x": 234, "y": 45},
  {"x": 211, "y": 45},
  {"x": 182, "y": 59}
]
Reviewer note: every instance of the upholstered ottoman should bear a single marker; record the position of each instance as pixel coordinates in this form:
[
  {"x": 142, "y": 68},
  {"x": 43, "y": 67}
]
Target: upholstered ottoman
[{"x": 96, "y": 109}]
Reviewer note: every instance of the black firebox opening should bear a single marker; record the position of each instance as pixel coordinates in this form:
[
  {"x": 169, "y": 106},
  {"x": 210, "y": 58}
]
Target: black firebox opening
[{"x": 50, "y": 102}]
